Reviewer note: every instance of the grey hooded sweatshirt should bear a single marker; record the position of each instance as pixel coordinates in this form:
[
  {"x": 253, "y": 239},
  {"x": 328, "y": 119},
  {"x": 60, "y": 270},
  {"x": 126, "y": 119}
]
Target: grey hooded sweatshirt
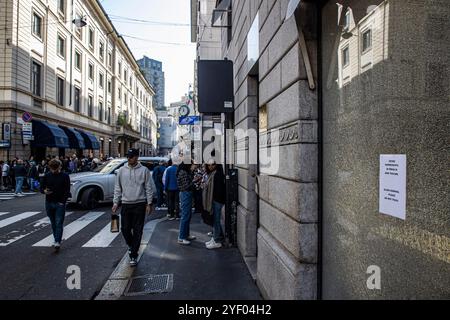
[{"x": 134, "y": 185}]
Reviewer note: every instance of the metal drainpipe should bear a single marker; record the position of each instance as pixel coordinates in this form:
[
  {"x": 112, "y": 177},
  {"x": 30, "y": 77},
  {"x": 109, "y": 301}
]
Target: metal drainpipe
[{"x": 320, "y": 156}]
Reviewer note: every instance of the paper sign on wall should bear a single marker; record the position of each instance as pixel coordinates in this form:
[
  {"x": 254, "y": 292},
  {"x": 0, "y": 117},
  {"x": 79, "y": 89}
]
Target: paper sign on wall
[{"x": 393, "y": 185}]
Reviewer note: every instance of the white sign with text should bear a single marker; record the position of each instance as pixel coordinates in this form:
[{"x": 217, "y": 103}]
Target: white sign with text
[{"x": 393, "y": 185}]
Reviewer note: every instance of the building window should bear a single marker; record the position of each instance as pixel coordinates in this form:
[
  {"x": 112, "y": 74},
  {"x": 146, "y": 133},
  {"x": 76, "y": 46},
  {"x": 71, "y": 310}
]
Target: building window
[
  {"x": 125, "y": 77},
  {"x": 91, "y": 71},
  {"x": 109, "y": 115},
  {"x": 61, "y": 47},
  {"x": 37, "y": 25},
  {"x": 345, "y": 56},
  {"x": 366, "y": 40},
  {"x": 91, "y": 38},
  {"x": 100, "y": 111},
  {"x": 347, "y": 21},
  {"x": 119, "y": 69},
  {"x": 120, "y": 94},
  {"x": 101, "y": 51},
  {"x": 60, "y": 91},
  {"x": 36, "y": 78},
  {"x": 125, "y": 98},
  {"x": 77, "y": 99},
  {"x": 101, "y": 80},
  {"x": 62, "y": 7},
  {"x": 79, "y": 31},
  {"x": 90, "y": 106},
  {"x": 78, "y": 60},
  {"x": 109, "y": 87}
]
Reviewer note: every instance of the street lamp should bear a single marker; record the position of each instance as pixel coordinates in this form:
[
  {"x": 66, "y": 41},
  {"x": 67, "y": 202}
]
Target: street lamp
[{"x": 80, "y": 22}]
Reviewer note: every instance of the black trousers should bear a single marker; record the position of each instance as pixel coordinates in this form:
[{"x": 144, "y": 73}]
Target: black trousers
[
  {"x": 173, "y": 203},
  {"x": 133, "y": 219}
]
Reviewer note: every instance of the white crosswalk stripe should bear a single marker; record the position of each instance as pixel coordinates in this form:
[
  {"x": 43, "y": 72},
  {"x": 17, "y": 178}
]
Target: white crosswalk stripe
[
  {"x": 29, "y": 229},
  {"x": 72, "y": 228},
  {"x": 17, "y": 218},
  {"x": 4, "y": 196},
  {"x": 103, "y": 239},
  {"x": 3, "y": 213}
]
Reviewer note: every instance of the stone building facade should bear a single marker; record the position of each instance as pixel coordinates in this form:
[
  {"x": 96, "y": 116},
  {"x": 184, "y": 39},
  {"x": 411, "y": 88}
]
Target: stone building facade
[
  {"x": 329, "y": 90},
  {"x": 64, "y": 63}
]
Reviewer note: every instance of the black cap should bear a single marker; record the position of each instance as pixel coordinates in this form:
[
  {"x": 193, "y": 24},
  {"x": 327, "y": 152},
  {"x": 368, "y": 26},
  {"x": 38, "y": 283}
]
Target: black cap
[{"x": 133, "y": 153}]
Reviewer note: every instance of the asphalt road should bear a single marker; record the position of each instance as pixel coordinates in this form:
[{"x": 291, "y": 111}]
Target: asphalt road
[{"x": 29, "y": 267}]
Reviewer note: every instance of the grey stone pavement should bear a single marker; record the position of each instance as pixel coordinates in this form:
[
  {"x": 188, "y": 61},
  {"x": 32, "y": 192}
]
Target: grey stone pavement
[{"x": 198, "y": 273}]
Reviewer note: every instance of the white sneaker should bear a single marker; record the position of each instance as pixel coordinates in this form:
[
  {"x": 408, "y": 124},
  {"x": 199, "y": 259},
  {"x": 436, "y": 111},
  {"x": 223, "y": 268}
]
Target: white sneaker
[
  {"x": 184, "y": 242},
  {"x": 57, "y": 246},
  {"x": 20, "y": 195},
  {"x": 213, "y": 245},
  {"x": 209, "y": 242},
  {"x": 210, "y": 234}
]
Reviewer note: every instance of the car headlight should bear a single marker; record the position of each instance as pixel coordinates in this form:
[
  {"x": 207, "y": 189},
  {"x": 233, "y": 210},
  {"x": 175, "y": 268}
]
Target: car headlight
[{"x": 72, "y": 183}]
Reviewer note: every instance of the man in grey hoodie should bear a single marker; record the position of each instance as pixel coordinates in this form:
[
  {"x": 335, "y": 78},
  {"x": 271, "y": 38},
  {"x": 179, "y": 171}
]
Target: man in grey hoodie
[{"x": 134, "y": 189}]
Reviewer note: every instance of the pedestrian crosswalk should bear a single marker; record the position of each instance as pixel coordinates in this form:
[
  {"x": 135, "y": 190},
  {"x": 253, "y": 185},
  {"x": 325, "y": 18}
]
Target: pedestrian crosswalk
[
  {"x": 4, "y": 196},
  {"x": 18, "y": 227}
]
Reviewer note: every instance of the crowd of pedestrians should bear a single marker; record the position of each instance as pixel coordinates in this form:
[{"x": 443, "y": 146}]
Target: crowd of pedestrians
[
  {"x": 18, "y": 175},
  {"x": 186, "y": 189}
]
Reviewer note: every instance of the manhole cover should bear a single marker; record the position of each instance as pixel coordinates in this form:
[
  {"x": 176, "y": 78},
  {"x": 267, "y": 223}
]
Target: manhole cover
[{"x": 150, "y": 284}]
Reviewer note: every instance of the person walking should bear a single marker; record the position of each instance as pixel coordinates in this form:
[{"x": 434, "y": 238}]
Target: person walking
[
  {"x": 173, "y": 193},
  {"x": 158, "y": 174},
  {"x": 32, "y": 175},
  {"x": 56, "y": 187},
  {"x": 134, "y": 188},
  {"x": 213, "y": 201},
  {"x": 186, "y": 187},
  {"x": 20, "y": 174}
]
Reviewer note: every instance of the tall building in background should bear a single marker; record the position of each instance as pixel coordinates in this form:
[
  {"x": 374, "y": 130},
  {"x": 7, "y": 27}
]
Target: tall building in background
[{"x": 154, "y": 74}]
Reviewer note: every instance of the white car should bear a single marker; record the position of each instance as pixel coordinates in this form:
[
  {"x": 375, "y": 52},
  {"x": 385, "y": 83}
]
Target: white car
[{"x": 92, "y": 188}]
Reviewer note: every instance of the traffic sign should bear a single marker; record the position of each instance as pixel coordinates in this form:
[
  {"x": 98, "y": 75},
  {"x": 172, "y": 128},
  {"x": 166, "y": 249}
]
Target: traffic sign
[
  {"x": 5, "y": 144},
  {"x": 189, "y": 121},
  {"x": 27, "y": 117}
]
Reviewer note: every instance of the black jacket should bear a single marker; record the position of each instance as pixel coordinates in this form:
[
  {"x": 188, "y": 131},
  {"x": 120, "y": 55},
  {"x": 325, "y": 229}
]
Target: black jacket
[
  {"x": 59, "y": 184},
  {"x": 19, "y": 171},
  {"x": 219, "y": 193}
]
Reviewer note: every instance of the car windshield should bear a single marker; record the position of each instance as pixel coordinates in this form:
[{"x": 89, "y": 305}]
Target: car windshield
[{"x": 109, "y": 166}]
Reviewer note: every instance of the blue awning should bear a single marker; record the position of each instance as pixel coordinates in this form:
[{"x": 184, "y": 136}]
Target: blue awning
[
  {"x": 90, "y": 140},
  {"x": 76, "y": 140},
  {"x": 48, "y": 135}
]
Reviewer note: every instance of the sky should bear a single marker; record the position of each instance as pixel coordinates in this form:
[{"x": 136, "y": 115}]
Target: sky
[{"x": 172, "y": 19}]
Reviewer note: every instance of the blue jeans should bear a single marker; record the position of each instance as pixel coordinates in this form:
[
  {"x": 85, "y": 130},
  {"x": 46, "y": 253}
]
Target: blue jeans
[
  {"x": 217, "y": 231},
  {"x": 19, "y": 184},
  {"x": 31, "y": 183},
  {"x": 186, "y": 214},
  {"x": 56, "y": 212},
  {"x": 160, "y": 195}
]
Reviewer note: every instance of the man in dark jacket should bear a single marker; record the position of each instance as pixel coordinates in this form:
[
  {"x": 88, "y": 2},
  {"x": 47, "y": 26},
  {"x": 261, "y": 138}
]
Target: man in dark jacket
[
  {"x": 32, "y": 175},
  {"x": 20, "y": 174},
  {"x": 158, "y": 174},
  {"x": 56, "y": 186}
]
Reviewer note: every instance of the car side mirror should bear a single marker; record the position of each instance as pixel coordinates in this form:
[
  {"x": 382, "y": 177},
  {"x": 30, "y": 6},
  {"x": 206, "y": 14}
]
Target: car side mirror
[{"x": 116, "y": 171}]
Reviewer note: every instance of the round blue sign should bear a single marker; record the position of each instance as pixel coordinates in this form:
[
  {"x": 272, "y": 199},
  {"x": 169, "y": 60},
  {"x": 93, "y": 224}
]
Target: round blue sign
[{"x": 27, "y": 117}]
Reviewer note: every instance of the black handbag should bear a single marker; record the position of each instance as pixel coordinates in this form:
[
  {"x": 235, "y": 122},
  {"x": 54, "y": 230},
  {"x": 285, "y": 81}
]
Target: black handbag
[{"x": 115, "y": 223}]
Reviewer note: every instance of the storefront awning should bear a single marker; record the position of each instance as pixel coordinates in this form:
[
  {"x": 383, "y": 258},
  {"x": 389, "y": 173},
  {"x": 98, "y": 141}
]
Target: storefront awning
[
  {"x": 48, "y": 135},
  {"x": 90, "y": 141},
  {"x": 76, "y": 140}
]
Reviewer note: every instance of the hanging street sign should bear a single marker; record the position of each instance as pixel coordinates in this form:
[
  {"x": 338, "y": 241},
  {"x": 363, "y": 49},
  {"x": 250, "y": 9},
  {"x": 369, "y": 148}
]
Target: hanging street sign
[{"x": 189, "y": 121}]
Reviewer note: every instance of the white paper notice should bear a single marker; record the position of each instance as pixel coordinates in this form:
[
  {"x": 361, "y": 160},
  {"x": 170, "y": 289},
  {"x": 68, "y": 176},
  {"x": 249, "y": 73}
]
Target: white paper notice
[{"x": 393, "y": 185}]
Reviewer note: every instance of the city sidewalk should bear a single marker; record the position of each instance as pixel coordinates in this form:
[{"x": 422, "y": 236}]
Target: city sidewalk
[{"x": 198, "y": 273}]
